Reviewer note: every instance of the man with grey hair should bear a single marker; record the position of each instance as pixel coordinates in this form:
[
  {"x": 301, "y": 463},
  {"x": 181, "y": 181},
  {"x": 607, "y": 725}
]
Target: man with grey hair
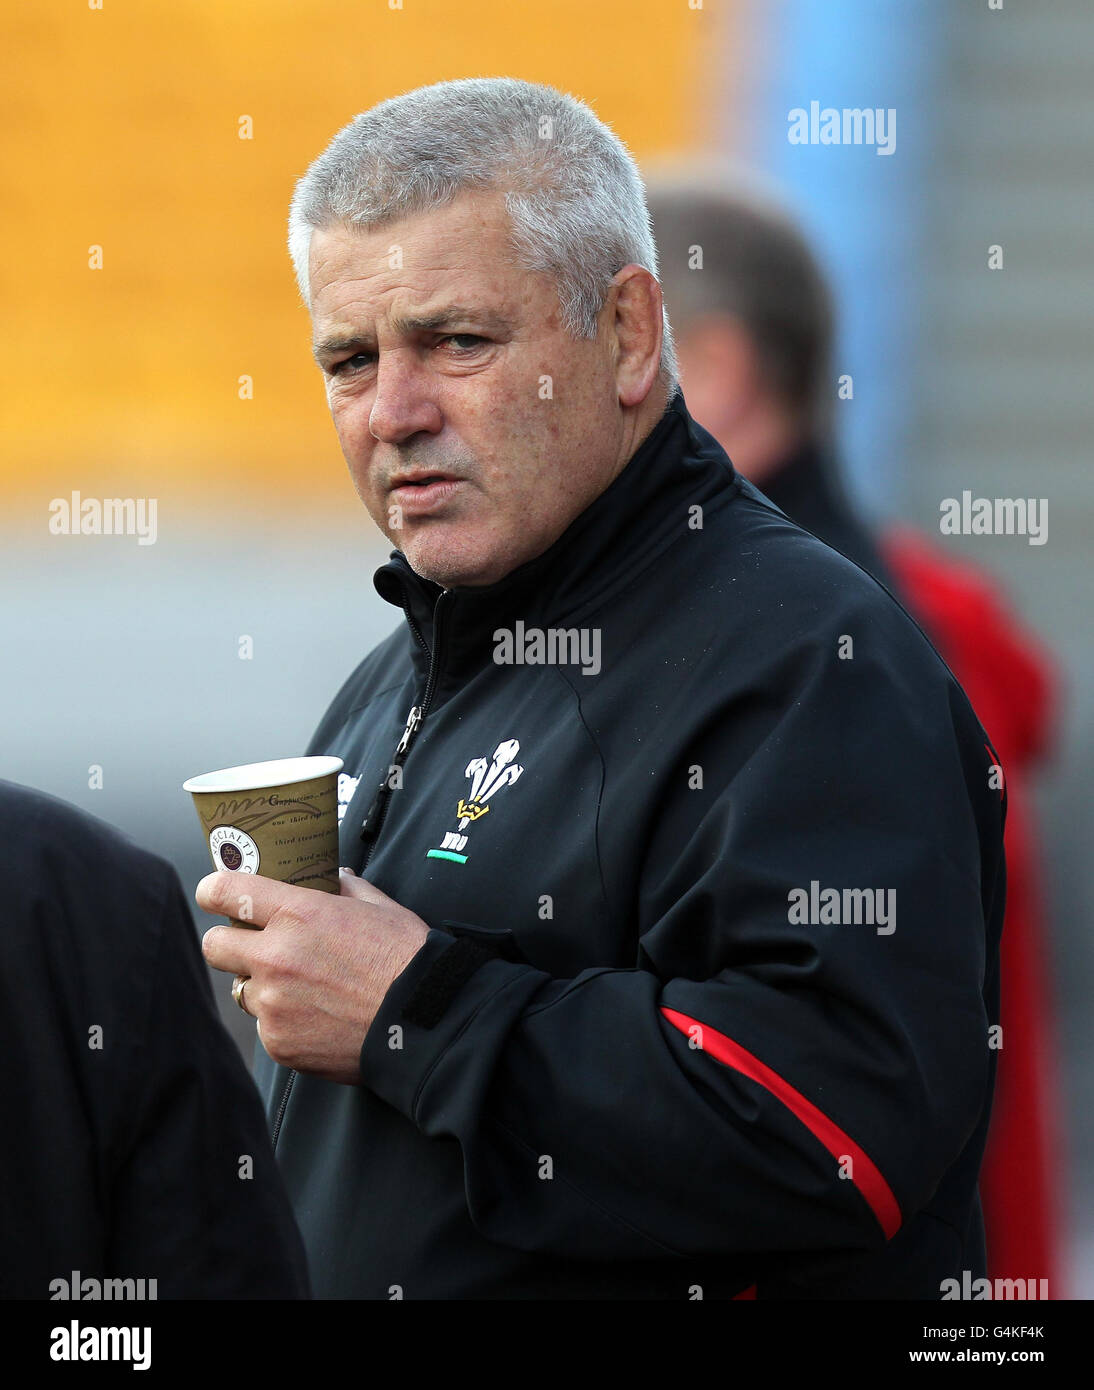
[{"x": 622, "y": 1007}]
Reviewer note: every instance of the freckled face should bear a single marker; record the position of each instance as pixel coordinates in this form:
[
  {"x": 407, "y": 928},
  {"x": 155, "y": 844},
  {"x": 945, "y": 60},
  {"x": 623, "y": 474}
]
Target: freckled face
[{"x": 434, "y": 344}]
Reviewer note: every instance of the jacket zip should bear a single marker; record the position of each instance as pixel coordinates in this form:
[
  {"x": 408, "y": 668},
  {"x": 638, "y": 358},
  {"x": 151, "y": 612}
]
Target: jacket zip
[{"x": 374, "y": 819}]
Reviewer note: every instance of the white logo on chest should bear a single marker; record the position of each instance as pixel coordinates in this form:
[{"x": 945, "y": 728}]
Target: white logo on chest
[{"x": 487, "y": 779}]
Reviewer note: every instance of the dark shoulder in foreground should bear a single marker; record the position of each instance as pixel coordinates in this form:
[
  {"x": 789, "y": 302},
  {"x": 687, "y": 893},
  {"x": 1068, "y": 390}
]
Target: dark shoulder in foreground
[{"x": 44, "y": 840}]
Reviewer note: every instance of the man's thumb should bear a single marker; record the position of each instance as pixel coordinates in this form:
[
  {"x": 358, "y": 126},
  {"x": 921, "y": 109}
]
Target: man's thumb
[{"x": 350, "y": 886}]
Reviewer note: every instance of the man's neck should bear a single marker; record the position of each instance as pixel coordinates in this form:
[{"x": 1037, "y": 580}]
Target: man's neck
[{"x": 640, "y": 425}]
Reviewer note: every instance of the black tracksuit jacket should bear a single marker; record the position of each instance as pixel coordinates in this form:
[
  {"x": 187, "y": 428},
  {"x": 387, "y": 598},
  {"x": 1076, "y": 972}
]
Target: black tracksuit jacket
[{"x": 623, "y": 1065}]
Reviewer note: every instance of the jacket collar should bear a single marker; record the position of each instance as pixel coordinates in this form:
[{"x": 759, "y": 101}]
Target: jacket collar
[{"x": 675, "y": 467}]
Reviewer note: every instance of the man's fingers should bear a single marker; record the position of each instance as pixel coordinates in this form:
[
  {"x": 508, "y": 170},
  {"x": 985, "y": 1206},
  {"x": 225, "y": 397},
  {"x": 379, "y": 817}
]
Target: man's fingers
[
  {"x": 230, "y": 948},
  {"x": 350, "y": 886},
  {"x": 251, "y": 898}
]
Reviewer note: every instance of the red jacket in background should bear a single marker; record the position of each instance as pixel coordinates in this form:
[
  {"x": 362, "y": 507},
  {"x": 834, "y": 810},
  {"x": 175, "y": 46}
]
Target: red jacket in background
[{"x": 1010, "y": 681}]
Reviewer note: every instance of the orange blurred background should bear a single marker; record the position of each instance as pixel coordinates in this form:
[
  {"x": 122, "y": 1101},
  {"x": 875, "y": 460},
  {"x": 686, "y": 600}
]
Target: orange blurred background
[{"x": 170, "y": 136}]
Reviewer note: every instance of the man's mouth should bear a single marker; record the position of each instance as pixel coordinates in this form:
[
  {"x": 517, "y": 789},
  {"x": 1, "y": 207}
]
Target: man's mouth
[{"x": 423, "y": 492}]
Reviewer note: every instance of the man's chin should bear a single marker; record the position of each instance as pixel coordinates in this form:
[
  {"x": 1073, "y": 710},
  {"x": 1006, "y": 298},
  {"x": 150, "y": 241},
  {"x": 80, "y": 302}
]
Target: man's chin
[{"x": 451, "y": 565}]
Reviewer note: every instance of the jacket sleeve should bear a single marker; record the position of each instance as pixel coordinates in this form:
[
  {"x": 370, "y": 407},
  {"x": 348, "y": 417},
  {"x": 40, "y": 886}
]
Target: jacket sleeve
[
  {"x": 196, "y": 1198},
  {"x": 760, "y": 1082}
]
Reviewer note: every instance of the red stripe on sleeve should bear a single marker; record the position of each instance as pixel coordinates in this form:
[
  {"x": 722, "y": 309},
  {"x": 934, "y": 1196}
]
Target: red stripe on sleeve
[{"x": 865, "y": 1174}]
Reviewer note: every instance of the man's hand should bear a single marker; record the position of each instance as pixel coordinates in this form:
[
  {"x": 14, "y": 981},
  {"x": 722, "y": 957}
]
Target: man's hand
[{"x": 319, "y": 970}]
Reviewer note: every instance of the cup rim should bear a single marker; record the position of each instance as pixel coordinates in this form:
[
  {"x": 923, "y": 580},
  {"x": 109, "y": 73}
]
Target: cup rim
[{"x": 275, "y": 772}]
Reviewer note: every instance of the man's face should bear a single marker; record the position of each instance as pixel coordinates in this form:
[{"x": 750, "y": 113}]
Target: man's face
[{"x": 444, "y": 359}]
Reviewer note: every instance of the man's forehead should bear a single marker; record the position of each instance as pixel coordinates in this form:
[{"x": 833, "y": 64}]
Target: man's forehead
[
  {"x": 467, "y": 235},
  {"x": 414, "y": 283}
]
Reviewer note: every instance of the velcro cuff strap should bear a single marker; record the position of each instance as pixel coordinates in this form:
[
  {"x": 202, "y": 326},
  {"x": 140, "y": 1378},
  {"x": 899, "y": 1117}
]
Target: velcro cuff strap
[{"x": 443, "y": 981}]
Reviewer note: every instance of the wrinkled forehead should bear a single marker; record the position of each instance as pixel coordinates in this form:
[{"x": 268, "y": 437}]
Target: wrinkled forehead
[{"x": 468, "y": 239}]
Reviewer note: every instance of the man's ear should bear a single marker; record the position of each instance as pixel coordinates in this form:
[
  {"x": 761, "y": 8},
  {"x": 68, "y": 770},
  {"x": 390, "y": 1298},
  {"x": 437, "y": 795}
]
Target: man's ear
[{"x": 638, "y": 327}]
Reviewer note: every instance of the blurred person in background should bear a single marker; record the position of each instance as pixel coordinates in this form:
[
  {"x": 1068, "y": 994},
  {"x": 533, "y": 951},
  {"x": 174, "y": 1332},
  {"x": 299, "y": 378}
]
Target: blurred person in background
[
  {"x": 754, "y": 324},
  {"x": 136, "y": 1162}
]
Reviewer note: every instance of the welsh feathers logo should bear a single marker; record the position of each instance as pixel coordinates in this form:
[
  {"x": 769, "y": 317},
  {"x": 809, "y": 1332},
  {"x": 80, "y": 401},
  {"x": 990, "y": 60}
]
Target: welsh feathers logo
[{"x": 487, "y": 779}]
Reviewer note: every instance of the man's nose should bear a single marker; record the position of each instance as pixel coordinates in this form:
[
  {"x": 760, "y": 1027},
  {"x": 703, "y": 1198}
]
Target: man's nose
[{"x": 403, "y": 404}]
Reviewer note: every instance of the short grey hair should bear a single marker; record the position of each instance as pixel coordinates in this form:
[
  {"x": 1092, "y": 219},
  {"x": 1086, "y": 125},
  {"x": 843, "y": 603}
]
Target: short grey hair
[{"x": 572, "y": 190}]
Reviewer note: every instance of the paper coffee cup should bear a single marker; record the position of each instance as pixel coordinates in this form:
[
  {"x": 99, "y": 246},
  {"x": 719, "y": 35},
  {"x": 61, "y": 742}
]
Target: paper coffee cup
[{"x": 278, "y": 818}]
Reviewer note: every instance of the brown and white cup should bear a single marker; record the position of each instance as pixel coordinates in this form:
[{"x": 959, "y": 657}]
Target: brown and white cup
[{"x": 277, "y": 818}]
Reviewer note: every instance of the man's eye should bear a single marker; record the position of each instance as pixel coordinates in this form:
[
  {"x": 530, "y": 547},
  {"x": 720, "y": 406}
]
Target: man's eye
[
  {"x": 459, "y": 342},
  {"x": 463, "y": 342},
  {"x": 346, "y": 367}
]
